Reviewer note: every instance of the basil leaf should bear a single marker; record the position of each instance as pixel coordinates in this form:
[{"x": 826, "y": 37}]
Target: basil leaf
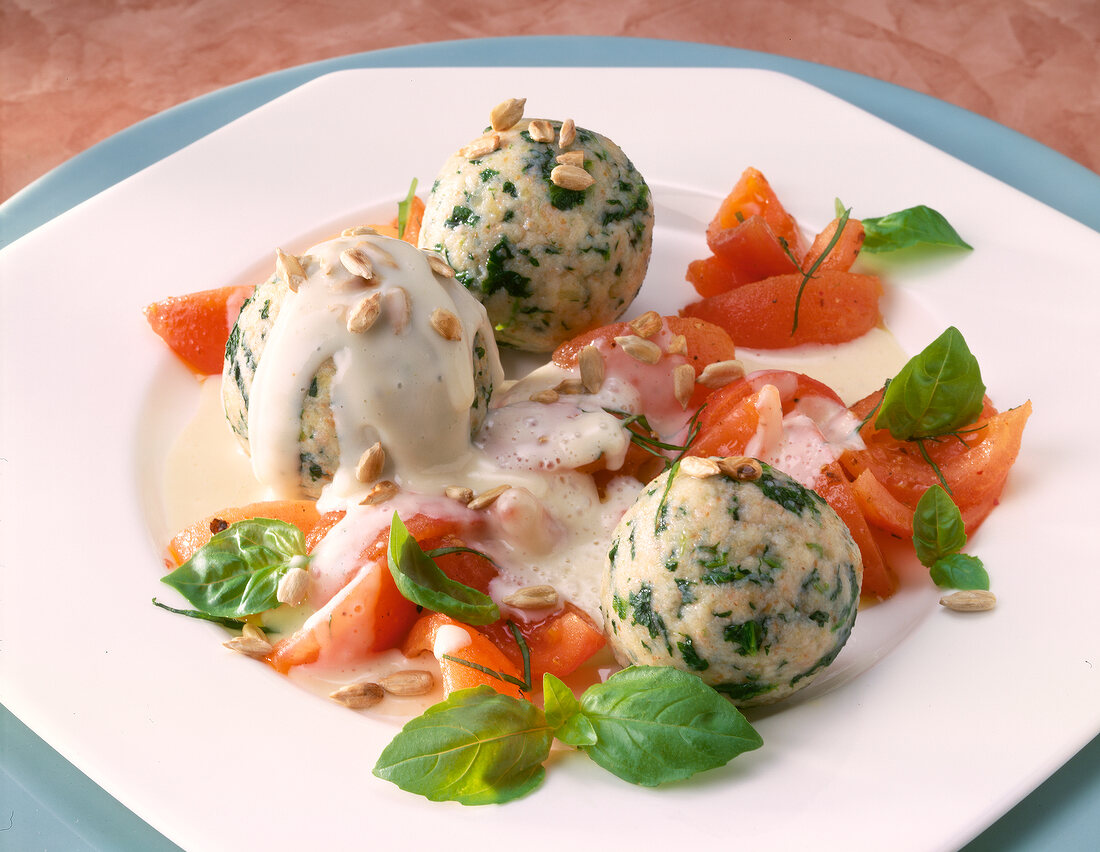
[
  {"x": 937, "y": 527},
  {"x": 656, "y": 724},
  {"x": 960, "y": 571},
  {"x": 477, "y": 747},
  {"x": 937, "y": 392},
  {"x": 564, "y": 714},
  {"x": 403, "y": 209},
  {"x": 237, "y": 572},
  {"x": 914, "y": 227},
  {"x": 419, "y": 579}
]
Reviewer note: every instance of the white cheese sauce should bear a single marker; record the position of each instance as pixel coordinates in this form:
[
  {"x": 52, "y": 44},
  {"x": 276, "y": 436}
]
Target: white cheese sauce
[{"x": 401, "y": 381}]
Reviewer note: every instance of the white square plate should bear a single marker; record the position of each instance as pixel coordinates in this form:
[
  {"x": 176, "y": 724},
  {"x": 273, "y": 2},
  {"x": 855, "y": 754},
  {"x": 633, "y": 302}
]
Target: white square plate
[{"x": 926, "y": 711}]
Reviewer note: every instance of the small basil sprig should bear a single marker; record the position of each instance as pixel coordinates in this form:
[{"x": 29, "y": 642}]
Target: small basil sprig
[
  {"x": 237, "y": 572},
  {"x": 917, "y": 227},
  {"x": 938, "y": 536},
  {"x": 419, "y": 579},
  {"x": 647, "y": 725},
  {"x": 937, "y": 392}
]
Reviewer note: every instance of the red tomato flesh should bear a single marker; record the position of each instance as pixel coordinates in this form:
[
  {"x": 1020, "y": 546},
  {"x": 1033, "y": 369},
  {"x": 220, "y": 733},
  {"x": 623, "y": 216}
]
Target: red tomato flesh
[
  {"x": 835, "y": 307},
  {"x": 196, "y": 326}
]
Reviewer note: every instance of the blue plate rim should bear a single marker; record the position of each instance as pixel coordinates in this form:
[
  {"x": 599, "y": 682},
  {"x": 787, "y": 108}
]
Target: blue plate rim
[
  {"x": 63, "y": 792},
  {"x": 1010, "y": 156}
]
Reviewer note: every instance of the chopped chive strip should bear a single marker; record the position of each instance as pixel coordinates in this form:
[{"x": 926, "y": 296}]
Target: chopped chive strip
[
  {"x": 672, "y": 471},
  {"x": 234, "y": 623},
  {"x": 446, "y": 551},
  {"x": 651, "y": 445},
  {"x": 524, "y": 651},
  {"x": 809, "y": 273},
  {"x": 507, "y": 678},
  {"x": 878, "y": 405},
  {"x": 933, "y": 465}
]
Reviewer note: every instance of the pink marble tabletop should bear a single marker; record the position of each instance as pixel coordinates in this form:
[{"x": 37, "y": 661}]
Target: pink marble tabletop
[{"x": 73, "y": 72}]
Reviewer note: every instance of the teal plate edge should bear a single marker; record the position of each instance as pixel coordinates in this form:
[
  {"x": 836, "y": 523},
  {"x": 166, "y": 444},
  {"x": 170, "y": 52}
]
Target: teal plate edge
[
  {"x": 45, "y": 802},
  {"x": 1018, "y": 160}
]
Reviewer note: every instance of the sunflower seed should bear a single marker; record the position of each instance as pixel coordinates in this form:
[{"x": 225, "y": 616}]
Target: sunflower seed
[
  {"x": 571, "y": 177},
  {"x": 358, "y": 231},
  {"x": 480, "y": 147},
  {"x": 741, "y": 468},
  {"x": 640, "y": 349},
  {"x": 357, "y": 262},
  {"x": 721, "y": 373},
  {"x": 293, "y": 586},
  {"x": 533, "y": 597},
  {"x": 486, "y": 498},
  {"x": 647, "y": 325},
  {"x": 371, "y": 463},
  {"x": 974, "y": 600},
  {"x": 507, "y": 113},
  {"x": 439, "y": 266},
  {"x": 699, "y": 467},
  {"x": 446, "y": 324},
  {"x": 571, "y": 158},
  {"x": 408, "y": 682},
  {"x": 289, "y": 269},
  {"x": 359, "y": 696},
  {"x": 541, "y": 130},
  {"x": 568, "y": 133},
  {"x": 683, "y": 383},
  {"x": 545, "y": 396},
  {"x": 252, "y": 643},
  {"x": 678, "y": 345},
  {"x": 569, "y": 387},
  {"x": 398, "y": 308},
  {"x": 460, "y": 493},
  {"x": 381, "y": 492},
  {"x": 364, "y": 313},
  {"x": 592, "y": 368}
]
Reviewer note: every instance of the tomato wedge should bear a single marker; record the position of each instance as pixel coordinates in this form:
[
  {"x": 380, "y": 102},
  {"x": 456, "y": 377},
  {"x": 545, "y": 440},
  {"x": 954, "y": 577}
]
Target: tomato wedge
[
  {"x": 559, "y": 643},
  {"x": 301, "y": 513},
  {"x": 843, "y": 253},
  {"x": 705, "y": 342},
  {"x": 476, "y": 648},
  {"x": 752, "y": 195},
  {"x": 196, "y": 326},
  {"x": 748, "y": 252},
  {"x": 835, "y": 307},
  {"x": 975, "y": 465},
  {"x": 368, "y": 614}
]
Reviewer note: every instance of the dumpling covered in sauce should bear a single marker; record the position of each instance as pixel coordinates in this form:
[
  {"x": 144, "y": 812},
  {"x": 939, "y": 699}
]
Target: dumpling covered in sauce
[
  {"x": 362, "y": 340},
  {"x": 550, "y": 227},
  {"x": 745, "y": 578}
]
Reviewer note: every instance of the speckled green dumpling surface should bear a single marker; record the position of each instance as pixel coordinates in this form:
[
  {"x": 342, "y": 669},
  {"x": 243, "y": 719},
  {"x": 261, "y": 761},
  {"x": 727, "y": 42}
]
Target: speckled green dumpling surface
[
  {"x": 547, "y": 262},
  {"x": 752, "y": 585}
]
